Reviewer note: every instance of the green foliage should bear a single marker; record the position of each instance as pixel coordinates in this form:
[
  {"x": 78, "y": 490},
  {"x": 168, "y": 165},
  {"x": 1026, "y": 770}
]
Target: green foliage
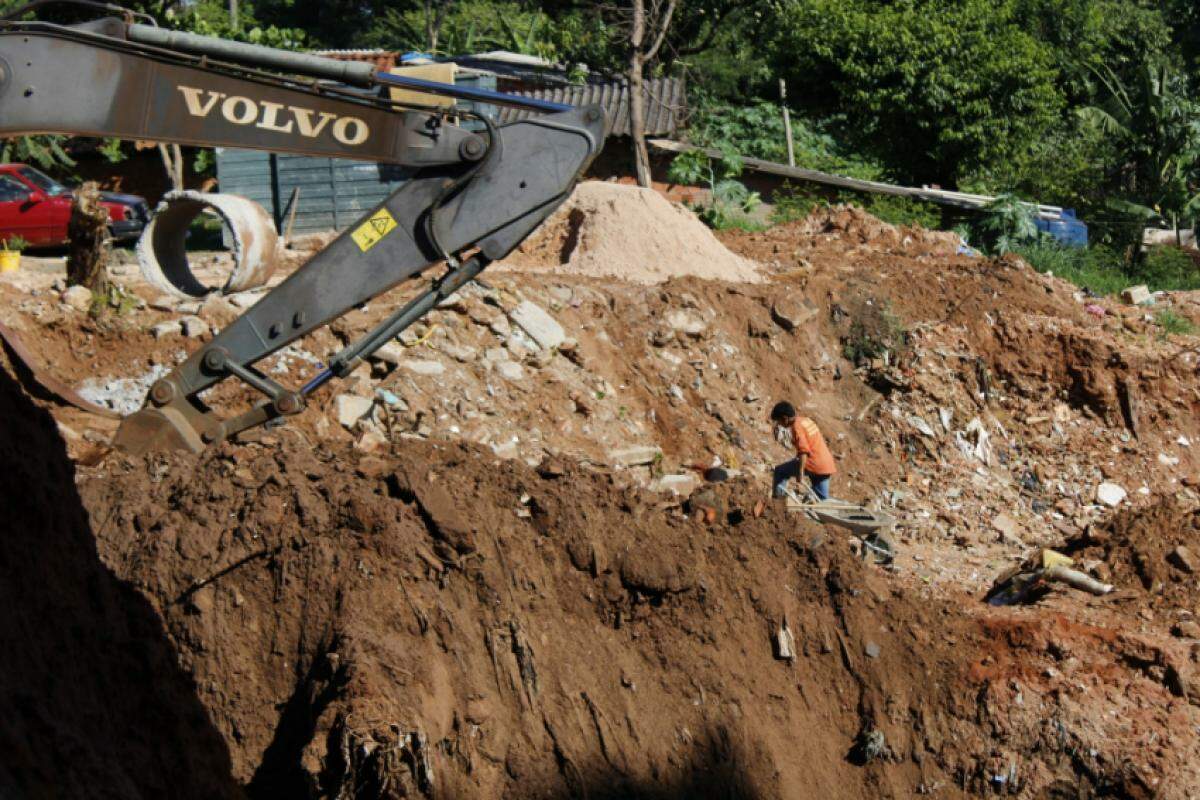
[
  {"x": 111, "y": 150},
  {"x": 14, "y": 243},
  {"x": 1096, "y": 269},
  {"x": 730, "y": 201},
  {"x": 45, "y": 152},
  {"x": 1168, "y": 268},
  {"x": 1172, "y": 323},
  {"x": 1007, "y": 223},
  {"x": 472, "y": 26},
  {"x": 875, "y": 332},
  {"x": 756, "y": 129},
  {"x": 792, "y": 203},
  {"x": 937, "y": 88},
  {"x": 898, "y": 210},
  {"x": 211, "y": 18}
]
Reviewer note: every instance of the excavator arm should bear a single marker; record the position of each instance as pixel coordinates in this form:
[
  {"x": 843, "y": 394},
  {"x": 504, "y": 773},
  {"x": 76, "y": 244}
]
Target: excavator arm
[{"x": 474, "y": 198}]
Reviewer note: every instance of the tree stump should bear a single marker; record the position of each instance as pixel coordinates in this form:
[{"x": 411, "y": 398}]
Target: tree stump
[{"x": 87, "y": 235}]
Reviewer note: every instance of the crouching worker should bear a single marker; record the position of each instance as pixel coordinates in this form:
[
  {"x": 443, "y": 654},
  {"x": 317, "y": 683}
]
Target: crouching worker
[{"x": 812, "y": 454}]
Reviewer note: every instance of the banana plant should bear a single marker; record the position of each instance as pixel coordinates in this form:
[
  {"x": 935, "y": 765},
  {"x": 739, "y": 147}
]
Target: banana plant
[{"x": 1158, "y": 126}]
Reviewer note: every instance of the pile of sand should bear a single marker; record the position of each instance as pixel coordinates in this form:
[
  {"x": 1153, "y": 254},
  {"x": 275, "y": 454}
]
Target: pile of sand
[{"x": 608, "y": 230}]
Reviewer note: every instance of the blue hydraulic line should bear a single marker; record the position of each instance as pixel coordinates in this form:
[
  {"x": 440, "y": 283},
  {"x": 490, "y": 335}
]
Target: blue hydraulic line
[
  {"x": 319, "y": 380},
  {"x": 467, "y": 93}
]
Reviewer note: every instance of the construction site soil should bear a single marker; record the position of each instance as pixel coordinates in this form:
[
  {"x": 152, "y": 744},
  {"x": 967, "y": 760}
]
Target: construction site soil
[{"x": 500, "y": 576}]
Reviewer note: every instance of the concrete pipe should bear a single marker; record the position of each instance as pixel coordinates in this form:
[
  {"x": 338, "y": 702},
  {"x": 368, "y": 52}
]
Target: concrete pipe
[{"x": 162, "y": 248}]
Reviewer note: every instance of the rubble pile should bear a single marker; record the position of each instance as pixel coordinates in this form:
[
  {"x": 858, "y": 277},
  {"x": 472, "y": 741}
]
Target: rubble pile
[{"x": 488, "y": 563}]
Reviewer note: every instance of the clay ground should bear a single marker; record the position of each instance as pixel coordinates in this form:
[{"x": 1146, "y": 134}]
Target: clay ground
[{"x": 481, "y": 566}]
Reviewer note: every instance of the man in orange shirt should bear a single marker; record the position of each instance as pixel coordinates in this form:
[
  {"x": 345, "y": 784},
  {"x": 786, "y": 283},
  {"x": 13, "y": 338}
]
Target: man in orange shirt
[{"x": 812, "y": 454}]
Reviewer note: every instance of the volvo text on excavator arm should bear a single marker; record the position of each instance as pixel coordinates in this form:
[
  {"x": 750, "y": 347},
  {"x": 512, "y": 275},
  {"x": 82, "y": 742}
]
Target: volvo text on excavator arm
[{"x": 474, "y": 197}]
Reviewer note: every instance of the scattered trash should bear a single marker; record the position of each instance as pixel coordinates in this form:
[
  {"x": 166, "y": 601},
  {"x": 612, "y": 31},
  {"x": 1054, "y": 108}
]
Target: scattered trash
[{"x": 1028, "y": 582}]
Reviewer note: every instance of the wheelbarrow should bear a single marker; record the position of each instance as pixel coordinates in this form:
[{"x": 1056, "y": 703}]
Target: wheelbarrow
[{"x": 870, "y": 527}]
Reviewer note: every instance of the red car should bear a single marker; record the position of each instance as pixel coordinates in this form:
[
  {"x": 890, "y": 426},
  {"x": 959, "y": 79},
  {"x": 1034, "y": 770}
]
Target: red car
[{"x": 36, "y": 207}]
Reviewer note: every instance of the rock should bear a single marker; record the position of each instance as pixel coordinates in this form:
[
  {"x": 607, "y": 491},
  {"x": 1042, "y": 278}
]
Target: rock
[
  {"x": 1187, "y": 629},
  {"x": 1136, "y": 295},
  {"x": 540, "y": 326},
  {"x": 193, "y": 327},
  {"x": 681, "y": 484},
  {"x": 793, "y": 311},
  {"x": 244, "y": 300},
  {"x": 1110, "y": 494},
  {"x": 218, "y": 309},
  {"x": 636, "y": 456},
  {"x": 422, "y": 367},
  {"x": 686, "y": 323},
  {"x": 371, "y": 441},
  {"x": 510, "y": 370},
  {"x": 351, "y": 408},
  {"x": 460, "y": 353},
  {"x": 1008, "y": 528},
  {"x": 872, "y": 649},
  {"x": 1182, "y": 558},
  {"x": 78, "y": 297},
  {"x": 391, "y": 353},
  {"x": 494, "y": 355},
  {"x": 188, "y": 307},
  {"x": 1168, "y": 461},
  {"x": 168, "y": 328}
]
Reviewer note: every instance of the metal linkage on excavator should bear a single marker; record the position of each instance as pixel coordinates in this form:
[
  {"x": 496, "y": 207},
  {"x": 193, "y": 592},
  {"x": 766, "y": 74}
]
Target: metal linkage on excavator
[{"x": 475, "y": 196}]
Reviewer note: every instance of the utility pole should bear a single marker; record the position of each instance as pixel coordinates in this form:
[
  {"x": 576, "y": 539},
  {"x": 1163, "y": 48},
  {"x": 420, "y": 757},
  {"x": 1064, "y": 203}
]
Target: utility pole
[
  {"x": 233, "y": 15},
  {"x": 787, "y": 123}
]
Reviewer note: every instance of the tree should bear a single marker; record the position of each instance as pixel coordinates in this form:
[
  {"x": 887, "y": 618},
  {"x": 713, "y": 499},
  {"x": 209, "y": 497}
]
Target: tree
[
  {"x": 934, "y": 88},
  {"x": 1157, "y": 127},
  {"x": 648, "y": 28}
]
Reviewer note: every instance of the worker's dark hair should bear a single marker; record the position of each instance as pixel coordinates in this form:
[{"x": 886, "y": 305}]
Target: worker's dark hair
[{"x": 783, "y": 410}]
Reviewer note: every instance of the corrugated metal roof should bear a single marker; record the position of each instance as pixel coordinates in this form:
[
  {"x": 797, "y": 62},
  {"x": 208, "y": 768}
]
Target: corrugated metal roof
[{"x": 666, "y": 104}]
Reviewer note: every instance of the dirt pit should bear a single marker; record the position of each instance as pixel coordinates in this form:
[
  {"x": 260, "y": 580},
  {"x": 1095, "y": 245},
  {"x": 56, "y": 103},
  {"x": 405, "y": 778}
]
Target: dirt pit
[{"x": 610, "y": 230}]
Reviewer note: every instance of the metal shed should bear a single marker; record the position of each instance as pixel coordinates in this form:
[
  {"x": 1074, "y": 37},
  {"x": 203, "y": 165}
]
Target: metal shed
[{"x": 333, "y": 193}]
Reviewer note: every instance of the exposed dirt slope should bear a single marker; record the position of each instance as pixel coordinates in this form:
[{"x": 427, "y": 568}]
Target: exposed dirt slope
[{"x": 435, "y": 621}]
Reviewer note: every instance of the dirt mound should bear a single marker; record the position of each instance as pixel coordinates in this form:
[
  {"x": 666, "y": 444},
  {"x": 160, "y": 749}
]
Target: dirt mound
[
  {"x": 833, "y": 233},
  {"x": 438, "y": 623},
  {"x": 609, "y": 230},
  {"x": 1156, "y": 549},
  {"x": 95, "y": 704}
]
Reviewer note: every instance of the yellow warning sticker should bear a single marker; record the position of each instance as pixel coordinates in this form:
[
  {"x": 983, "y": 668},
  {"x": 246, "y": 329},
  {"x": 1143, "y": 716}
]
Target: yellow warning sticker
[{"x": 371, "y": 232}]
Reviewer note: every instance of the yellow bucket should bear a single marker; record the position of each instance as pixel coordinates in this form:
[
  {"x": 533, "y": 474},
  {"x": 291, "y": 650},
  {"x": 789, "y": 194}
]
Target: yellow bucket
[{"x": 10, "y": 260}]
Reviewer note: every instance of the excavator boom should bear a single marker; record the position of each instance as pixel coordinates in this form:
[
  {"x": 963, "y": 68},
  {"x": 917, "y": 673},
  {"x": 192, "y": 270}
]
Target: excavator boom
[{"x": 474, "y": 197}]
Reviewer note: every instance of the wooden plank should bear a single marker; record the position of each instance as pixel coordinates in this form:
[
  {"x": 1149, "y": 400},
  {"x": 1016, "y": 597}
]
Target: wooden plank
[{"x": 941, "y": 196}]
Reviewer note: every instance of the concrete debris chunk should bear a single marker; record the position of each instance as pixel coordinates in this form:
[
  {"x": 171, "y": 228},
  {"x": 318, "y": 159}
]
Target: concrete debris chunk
[
  {"x": 460, "y": 353},
  {"x": 510, "y": 370},
  {"x": 78, "y": 298},
  {"x": 244, "y": 300},
  {"x": 1137, "y": 295},
  {"x": 636, "y": 456},
  {"x": 539, "y": 325},
  {"x": 785, "y": 643},
  {"x": 793, "y": 311},
  {"x": 1008, "y": 529},
  {"x": 923, "y": 427},
  {"x": 193, "y": 327},
  {"x": 686, "y": 323},
  {"x": 681, "y": 484},
  {"x": 1110, "y": 494},
  {"x": 423, "y": 367},
  {"x": 351, "y": 408},
  {"x": 168, "y": 328},
  {"x": 391, "y": 353}
]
